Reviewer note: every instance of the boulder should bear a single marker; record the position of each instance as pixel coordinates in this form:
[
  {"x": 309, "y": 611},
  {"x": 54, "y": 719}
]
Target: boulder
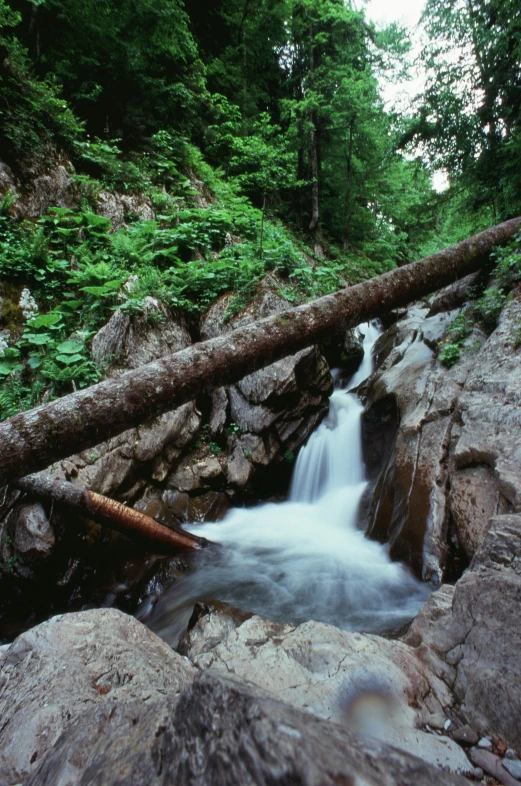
[
  {"x": 373, "y": 684},
  {"x": 451, "y": 458},
  {"x": 54, "y": 188},
  {"x": 26, "y": 539},
  {"x": 223, "y": 732},
  {"x": 470, "y": 634},
  {"x": 55, "y": 672},
  {"x": 272, "y": 411},
  {"x": 119, "y": 208}
]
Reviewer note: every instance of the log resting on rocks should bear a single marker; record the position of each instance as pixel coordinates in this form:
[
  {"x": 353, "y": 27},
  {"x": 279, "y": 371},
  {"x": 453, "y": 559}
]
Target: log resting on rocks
[
  {"x": 33, "y": 440},
  {"x": 107, "y": 511}
]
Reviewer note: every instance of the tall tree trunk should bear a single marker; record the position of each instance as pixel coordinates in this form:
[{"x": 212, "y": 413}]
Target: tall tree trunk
[
  {"x": 313, "y": 145},
  {"x": 313, "y": 163},
  {"x": 107, "y": 511},
  {"x": 349, "y": 175},
  {"x": 33, "y": 440}
]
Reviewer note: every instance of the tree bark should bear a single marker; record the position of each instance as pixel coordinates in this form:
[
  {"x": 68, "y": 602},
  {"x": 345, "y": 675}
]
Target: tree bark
[
  {"x": 33, "y": 440},
  {"x": 107, "y": 512}
]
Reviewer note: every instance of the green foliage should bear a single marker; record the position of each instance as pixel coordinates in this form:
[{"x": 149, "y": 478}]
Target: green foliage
[
  {"x": 489, "y": 307},
  {"x": 457, "y": 332}
]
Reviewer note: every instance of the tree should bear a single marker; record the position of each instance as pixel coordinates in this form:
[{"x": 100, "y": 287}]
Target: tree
[
  {"x": 33, "y": 440},
  {"x": 128, "y": 68},
  {"x": 469, "y": 117}
]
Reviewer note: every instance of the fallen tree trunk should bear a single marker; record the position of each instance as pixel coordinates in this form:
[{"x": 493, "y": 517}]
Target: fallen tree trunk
[
  {"x": 108, "y": 512},
  {"x": 32, "y": 440}
]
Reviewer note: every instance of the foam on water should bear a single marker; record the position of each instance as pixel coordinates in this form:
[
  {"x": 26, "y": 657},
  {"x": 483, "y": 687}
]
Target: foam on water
[{"x": 305, "y": 558}]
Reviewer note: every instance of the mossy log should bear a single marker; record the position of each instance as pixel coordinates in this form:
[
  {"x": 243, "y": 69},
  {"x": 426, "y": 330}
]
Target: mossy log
[{"x": 35, "y": 439}]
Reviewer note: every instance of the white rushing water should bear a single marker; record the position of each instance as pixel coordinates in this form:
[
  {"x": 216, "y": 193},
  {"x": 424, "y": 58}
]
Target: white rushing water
[{"x": 305, "y": 558}]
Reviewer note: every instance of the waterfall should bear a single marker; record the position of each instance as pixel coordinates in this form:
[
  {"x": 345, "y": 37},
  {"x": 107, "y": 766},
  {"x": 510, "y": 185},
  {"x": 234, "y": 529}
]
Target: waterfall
[{"x": 305, "y": 558}]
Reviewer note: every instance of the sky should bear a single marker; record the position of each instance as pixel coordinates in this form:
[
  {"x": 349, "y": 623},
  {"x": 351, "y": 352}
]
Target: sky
[
  {"x": 398, "y": 95},
  {"x": 384, "y": 11}
]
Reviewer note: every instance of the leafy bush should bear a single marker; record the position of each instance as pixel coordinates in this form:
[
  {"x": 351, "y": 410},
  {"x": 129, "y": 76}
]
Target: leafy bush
[
  {"x": 489, "y": 307},
  {"x": 457, "y": 332}
]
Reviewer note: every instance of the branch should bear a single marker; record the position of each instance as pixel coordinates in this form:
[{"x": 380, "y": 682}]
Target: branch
[{"x": 107, "y": 512}]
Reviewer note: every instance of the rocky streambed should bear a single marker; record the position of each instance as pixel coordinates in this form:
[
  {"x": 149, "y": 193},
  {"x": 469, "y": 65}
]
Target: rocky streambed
[{"x": 95, "y": 697}]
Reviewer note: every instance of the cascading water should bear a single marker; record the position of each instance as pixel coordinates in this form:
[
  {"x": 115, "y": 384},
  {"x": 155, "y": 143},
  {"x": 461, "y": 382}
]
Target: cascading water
[{"x": 305, "y": 558}]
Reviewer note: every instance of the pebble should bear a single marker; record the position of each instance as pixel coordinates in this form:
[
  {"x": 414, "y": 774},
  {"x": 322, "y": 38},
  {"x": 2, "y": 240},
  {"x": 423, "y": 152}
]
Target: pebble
[
  {"x": 465, "y": 735},
  {"x": 485, "y": 743},
  {"x": 510, "y": 754},
  {"x": 513, "y": 766},
  {"x": 447, "y": 724},
  {"x": 478, "y": 773}
]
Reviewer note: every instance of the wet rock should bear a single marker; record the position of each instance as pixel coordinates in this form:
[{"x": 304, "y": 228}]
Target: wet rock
[
  {"x": 492, "y": 764},
  {"x": 223, "y": 732},
  {"x": 332, "y": 674},
  {"x": 210, "y": 506},
  {"x": 50, "y": 675}
]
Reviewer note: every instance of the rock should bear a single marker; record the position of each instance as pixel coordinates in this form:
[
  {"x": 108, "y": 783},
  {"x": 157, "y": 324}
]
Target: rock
[
  {"x": 119, "y": 208},
  {"x": 454, "y": 295},
  {"x": 510, "y": 754},
  {"x": 454, "y": 461},
  {"x": 7, "y": 180},
  {"x": 513, "y": 766},
  {"x": 473, "y": 498},
  {"x": 27, "y": 540},
  {"x": 478, "y": 773},
  {"x": 53, "y": 189},
  {"x": 273, "y": 410},
  {"x": 492, "y": 764},
  {"x": 128, "y": 342},
  {"x": 53, "y": 673},
  {"x": 485, "y": 743},
  {"x": 465, "y": 735},
  {"x": 224, "y": 733},
  {"x": 345, "y": 677},
  {"x": 436, "y": 720},
  {"x": 211, "y": 506},
  {"x": 473, "y": 640}
]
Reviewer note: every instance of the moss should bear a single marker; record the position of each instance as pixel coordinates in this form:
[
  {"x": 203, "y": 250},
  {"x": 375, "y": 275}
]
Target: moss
[{"x": 11, "y": 317}]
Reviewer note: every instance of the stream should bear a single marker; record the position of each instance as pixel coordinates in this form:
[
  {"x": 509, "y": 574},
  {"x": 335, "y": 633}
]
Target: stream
[{"x": 305, "y": 558}]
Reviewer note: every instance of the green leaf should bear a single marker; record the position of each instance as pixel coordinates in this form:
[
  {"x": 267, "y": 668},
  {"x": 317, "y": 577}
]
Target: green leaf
[
  {"x": 68, "y": 359},
  {"x": 34, "y": 362},
  {"x": 69, "y": 347},
  {"x": 6, "y": 367},
  {"x": 45, "y": 320},
  {"x": 36, "y": 338}
]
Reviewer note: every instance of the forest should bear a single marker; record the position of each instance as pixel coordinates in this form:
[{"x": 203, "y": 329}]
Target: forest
[{"x": 276, "y": 108}]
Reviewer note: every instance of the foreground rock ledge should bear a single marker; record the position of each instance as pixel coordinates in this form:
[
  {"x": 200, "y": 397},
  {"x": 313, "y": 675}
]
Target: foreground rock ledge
[{"x": 95, "y": 698}]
